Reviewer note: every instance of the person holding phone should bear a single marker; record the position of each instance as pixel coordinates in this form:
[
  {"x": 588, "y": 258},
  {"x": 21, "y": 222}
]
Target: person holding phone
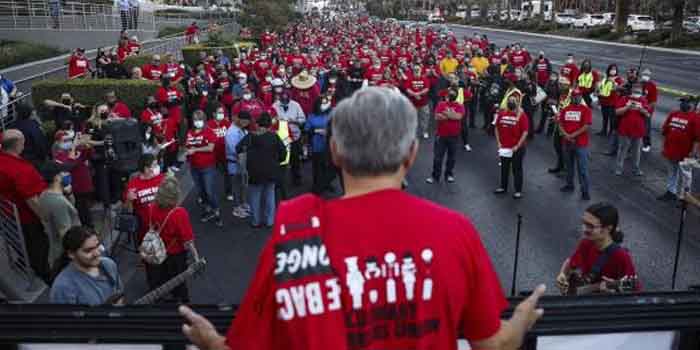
[{"x": 632, "y": 112}]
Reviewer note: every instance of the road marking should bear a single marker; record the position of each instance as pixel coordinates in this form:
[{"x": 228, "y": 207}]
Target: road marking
[{"x": 550, "y": 36}]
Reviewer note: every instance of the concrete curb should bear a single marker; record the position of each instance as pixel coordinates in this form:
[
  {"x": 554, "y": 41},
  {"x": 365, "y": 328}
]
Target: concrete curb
[{"x": 592, "y": 41}]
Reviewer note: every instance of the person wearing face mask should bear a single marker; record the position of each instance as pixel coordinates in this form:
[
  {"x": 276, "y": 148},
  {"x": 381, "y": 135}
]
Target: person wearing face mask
[
  {"x": 74, "y": 152},
  {"x": 265, "y": 91},
  {"x": 317, "y": 128},
  {"x": 448, "y": 115},
  {"x": 290, "y": 111},
  {"x": 511, "y": 137},
  {"x": 95, "y": 129},
  {"x": 116, "y": 107},
  {"x": 543, "y": 67},
  {"x": 220, "y": 123},
  {"x": 224, "y": 90},
  {"x": 58, "y": 207},
  {"x": 569, "y": 70},
  {"x": 169, "y": 96},
  {"x": 574, "y": 123},
  {"x": 563, "y": 101},
  {"x": 607, "y": 95},
  {"x": 153, "y": 71},
  {"x": 650, "y": 92},
  {"x": 374, "y": 73},
  {"x": 249, "y": 104},
  {"x": 305, "y": 90},
  {"x": 418, "y": 88},
  {"x": 681, "y": 139},
  {"x": 151, "y": 115},
  {"x": 66, "y": 109},
  {"x": 78, "y": 65},
  {"x": 141, "y": 190},
  {"x": 633, "y": 110},
  {"x": 200, "y": 143},
  {"x": 587, "y": 80}
]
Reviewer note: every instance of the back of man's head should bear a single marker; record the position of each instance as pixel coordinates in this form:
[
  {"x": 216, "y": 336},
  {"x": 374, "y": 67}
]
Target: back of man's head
[
  {"x": 373, "y": 131},
  {"x": 12, "y": 141}
]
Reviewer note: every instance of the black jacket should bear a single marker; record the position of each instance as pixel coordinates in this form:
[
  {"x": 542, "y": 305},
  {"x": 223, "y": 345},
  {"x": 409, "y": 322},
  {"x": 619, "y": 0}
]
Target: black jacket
[
  {"x": 36, "y": 146},
  {"x": 265, "y": 152}
]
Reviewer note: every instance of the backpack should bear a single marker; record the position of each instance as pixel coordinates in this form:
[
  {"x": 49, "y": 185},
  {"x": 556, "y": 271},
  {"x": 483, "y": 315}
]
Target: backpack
[
  {"x": 126, "y": 143},
  {"x": 153, "y": 250}
]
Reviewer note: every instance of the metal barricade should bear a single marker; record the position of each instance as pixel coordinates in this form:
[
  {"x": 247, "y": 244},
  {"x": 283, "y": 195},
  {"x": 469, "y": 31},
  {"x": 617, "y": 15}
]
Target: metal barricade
[
  {"x": 8, "y": 114},
  {"x": 17, "y": 279}
]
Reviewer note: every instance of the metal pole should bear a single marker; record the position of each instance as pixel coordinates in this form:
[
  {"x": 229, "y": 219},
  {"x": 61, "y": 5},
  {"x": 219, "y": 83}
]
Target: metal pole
[
  {"x": 85, "y": 23},
  {"x": 14, "y": 14},
  {"x": 29, "y": 13},
  {"x": 684, "y": 209},
  {"x": 517, "y": 250}
]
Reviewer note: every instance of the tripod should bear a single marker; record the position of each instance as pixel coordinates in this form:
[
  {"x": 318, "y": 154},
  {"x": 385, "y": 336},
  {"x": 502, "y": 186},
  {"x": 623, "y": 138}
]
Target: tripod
[{"x": 684, "y": 210}]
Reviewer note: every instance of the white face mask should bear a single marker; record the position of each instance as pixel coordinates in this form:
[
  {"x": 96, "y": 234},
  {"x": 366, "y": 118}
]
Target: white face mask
[
  {"x": 646, "y": 78},
  {"x": 325, "y": 106},
  {"x": 247, "y": 96},
  {"x": 613, "y": 72},
  {"x": 570, "y": 61},
  {"x": 199, "y": 124},
  {"x": 636, "y": 95},
  {"x": 148, "y": 136},
  {"x": 268, "y": 79},
  {"x": 156, "y": 170},
  {"x": 219, "y": 116}
]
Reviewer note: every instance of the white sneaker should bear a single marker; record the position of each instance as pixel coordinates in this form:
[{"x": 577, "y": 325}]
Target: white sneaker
[
  {"x": 646, "y": 149},
  {"x": 229, "y": 198},
  {"x": 430, "y": 180},
  {"x": 468, "y": 148},
  {"x": 174, "y": 169},
  {"x": 450, "y": 179},
  {"x": 425, "y": 135}
]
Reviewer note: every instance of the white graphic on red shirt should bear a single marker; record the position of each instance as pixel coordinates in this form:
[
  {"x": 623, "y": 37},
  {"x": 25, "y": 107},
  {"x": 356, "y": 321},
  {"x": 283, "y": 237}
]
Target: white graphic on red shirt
[{"x": 354, "y": 281}]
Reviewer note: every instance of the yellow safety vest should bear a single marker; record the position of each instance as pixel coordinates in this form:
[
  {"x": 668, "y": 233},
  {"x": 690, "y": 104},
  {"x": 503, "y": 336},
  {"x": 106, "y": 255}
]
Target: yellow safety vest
[
  {"x": 585, "y": 80},
  {"x": 606, "y": 88},
  {"x": 460, "y": 96},
  {"x": 504, "y": 101},
  {"x": 283, "y": 133}
]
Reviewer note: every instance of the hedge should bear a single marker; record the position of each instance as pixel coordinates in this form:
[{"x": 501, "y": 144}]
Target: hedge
[{"x": 91, "y": 91}]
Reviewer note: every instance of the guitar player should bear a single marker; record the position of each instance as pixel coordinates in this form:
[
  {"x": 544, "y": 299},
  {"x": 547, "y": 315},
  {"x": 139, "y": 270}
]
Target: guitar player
[{"x": 599, "y": 257}]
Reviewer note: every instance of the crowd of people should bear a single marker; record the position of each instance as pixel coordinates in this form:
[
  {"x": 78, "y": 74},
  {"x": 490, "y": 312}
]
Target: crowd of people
[{"x": 354, "y": 97}]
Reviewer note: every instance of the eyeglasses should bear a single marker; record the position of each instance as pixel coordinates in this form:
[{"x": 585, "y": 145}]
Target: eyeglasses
[{"x": 589, "y": 227}]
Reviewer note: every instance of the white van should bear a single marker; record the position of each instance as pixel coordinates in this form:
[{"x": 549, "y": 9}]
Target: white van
[{"x": 638, "y": 23}]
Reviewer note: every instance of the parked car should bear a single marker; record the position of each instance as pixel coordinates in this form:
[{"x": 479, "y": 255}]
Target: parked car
[
  {"x": 609, "y": 17},
  {"x": 564, "y": 19},
  {"x": 589, "y": 20},
  {"x": 435, "y": 19},
  {"x": 638, "y": 23}
]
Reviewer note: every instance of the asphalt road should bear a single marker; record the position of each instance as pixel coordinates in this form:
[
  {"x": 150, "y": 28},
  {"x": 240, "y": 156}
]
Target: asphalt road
[{"x": 551, "y": 219}]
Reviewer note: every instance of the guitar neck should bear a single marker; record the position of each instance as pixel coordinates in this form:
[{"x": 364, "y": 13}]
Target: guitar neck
[{"x": 164, "y": 289}]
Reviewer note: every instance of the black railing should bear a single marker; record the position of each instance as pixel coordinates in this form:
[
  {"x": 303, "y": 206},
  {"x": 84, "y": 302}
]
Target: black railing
[{"x": 646, "y": 312}]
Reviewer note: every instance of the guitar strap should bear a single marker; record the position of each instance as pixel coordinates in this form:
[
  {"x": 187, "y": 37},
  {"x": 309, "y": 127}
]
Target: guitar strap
[{"x": 602, "y": 260}]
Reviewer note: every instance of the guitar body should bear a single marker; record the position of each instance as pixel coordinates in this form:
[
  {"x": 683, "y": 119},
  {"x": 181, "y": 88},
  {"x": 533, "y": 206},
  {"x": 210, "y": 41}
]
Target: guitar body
[
  {"x": 579, "y": 284},
  {"x": 576, "y": 281}
]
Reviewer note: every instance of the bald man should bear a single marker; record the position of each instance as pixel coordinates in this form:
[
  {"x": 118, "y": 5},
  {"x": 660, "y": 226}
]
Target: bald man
[{"x": 21, "y": 184}]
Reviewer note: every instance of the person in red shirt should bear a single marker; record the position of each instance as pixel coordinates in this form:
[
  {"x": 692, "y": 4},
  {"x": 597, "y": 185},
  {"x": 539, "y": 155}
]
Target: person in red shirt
[
  {"x": 598, "y": 256},
  {"x": 224, "y": 90},
  {"x": 574, "y": 122},
  {"x": 570, "y": 70},
  {"x": 374, "y": 73},
  {"x": 519, "y": 58},
  {"x": 123, "y": 50},
  {"x": 154, "y": 70},
  {"x": 448, "y": 116},
  {"x": 680, "y": 131},
  {"x": 200, "y": 144},
  {"x": 652, "y": 96},
  {"x": 173, "y": 70},
  {"x": 305, "y": 91},
  {"x": 169, "y": 96},
  {"x": 633, "y": 111},
  {"x": 444, "y": 281},
  {"x": 141, "y": 190},
  {"x": 117, "y": 109},
  {"x": 512, "y": 127},
  {"x": 219, "y": 124},
  {"x": 78, "y": 65},
  {"x": 544, "y": 69},
  {"x": 73, "y": 151},
  {"x": 21, "y": 184},
  {"x": 417, "y": 87},
  {"x": 134, "y": 46},
  {"x": 151, "y": 116},
  {"x": 191, "y": 33},
  {"x": 172, "y": 222}
]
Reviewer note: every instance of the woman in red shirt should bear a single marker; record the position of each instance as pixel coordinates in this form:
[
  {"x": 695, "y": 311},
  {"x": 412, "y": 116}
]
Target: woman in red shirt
[
  {"x": 173, "y": 224},
  {"x": 73, "y": 151},
  {"x": 601, "y": 235},
  {"x": 512, "y": 127},
  {"x": 141, "y": 190},
  {"x": 200, "y": 143}
]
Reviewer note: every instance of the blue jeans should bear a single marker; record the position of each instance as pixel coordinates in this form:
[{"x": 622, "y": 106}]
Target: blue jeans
[
  {"x": 204, "y": 181},
  {"x": 627, "y": 143},
  {"x": 674, "y": 176},
  {"x": 576, "y": 157},
  {"x": 261, "y": 198}
]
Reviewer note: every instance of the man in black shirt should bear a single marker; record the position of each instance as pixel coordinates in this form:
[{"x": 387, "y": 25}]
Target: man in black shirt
[{"x": 67, "y": 110}]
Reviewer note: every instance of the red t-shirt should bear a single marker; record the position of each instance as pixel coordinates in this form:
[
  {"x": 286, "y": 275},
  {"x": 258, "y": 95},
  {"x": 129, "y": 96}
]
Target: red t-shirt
[
  {"x": 519, "y": 59},
  {"x": 80, "y": 169},
  {"x": 449, "y": 127},
  {"x": 77, "y": 66},
  {"x": 650, "y": 92},
  {"x": 177, "y": 230},
  {"x": 19, "y": 181},
  {"x": 152, "y": 72},
  {"x": 219, "y": 128},
  {"x": 571, "y": 72},
  {"x": 374, "y": 74},
  {"x": 679, "y": 134},
  {"x": 153, "y": 118},
  {"x": 632, "y": 124},
  {"x": 619, "y": 263},
  {"x": 573, "y": 118},
  {"x": 543, "y": 72},
  {"x": 121, "y": 109},
  {"x": 174, "y": 71},
  {"x": 358, "y": 286},
  {"x": 134, "y": 48},
  {"x": 417, "y": 84},
  {"x": 197, "y": 139},
  {"x": 122, "y": 53},
  {"x": 511, "y": 127},
  {"x": 145, "y": 190}
]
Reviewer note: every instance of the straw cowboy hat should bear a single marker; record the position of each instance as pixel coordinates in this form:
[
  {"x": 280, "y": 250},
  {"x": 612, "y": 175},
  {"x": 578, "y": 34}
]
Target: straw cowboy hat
[{"x": 303, "y": 81}]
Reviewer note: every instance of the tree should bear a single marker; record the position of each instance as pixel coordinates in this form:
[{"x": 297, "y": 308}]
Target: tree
[
  {"x": 621, "y": 12},
  {"x": 677, "y": 26},
  {"x": 259, "y": 15}
]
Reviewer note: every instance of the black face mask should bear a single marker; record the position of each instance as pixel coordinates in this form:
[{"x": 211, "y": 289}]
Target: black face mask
[
  {"x": 685, "y": 106},
  {"x": 66, "y": 101},
  {"x": 512, "y": 106},
  {"x": 153, "y": 105},
  {"x": 111, "y": 104},
  {"x": 104, "y": 115},
  {"x": 452, "y": 97},
  {"x": 576, "y": 100}
]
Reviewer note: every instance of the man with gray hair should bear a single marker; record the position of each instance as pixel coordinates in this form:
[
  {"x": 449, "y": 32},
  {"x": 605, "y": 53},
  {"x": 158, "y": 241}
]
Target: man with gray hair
[{"x": 392, "y": 252}]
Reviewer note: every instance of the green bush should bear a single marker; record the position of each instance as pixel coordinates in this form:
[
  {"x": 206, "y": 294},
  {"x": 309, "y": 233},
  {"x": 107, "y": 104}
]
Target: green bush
[
  {"x": 648, "y": 38},
  {"x": 168, "y": 31},
  {"x": 16, "y": 52},
  {"x": 91, "y": 91}
]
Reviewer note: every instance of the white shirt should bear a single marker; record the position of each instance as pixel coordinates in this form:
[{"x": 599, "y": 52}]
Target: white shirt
[
  {"x": 294, "y": 115},
  {"x": 123, "y": 5}
]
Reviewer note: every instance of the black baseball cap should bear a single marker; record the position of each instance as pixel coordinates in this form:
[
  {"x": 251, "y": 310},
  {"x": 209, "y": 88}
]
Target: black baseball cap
[{"x": 51, "y": 168}]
